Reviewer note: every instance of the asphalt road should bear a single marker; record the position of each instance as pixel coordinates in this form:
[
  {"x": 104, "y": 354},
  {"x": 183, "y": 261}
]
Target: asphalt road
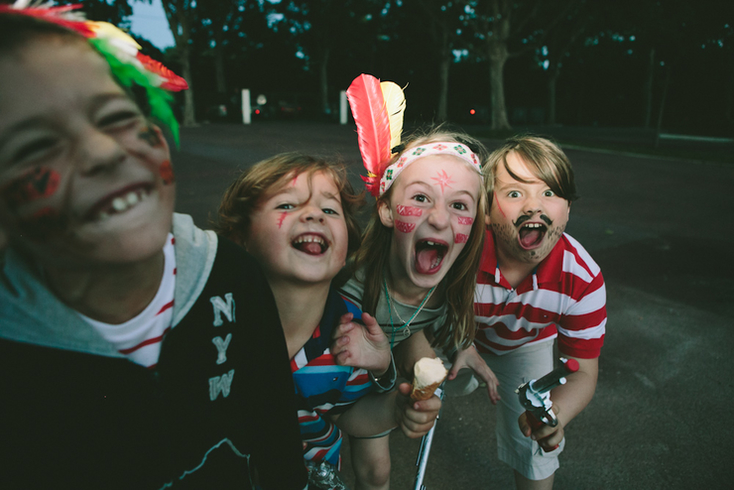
[{"x": 662, "y": 232}]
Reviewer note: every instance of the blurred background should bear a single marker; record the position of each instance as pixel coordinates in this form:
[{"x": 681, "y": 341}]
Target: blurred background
[{"x": 661, "y": 67}]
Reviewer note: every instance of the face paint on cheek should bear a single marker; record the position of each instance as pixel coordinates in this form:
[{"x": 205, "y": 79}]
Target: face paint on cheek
[
  {"x": 39, "y": 183},
  {"x": 151, "y": 137},
  {"x": 465, "y": 220},
  {"x": 461, "y": 238},
  {"x": 282, "y": 218},
  {"x": 408, "y": 210},
  {"x": 404, "y": 227},
  {"x": 167, "y": 173},
  {"x": 499, "y": 208}
]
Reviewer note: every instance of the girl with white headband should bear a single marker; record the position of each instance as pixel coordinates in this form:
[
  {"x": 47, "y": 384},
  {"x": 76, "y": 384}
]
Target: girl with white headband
[{"x": 416, "y": 268}]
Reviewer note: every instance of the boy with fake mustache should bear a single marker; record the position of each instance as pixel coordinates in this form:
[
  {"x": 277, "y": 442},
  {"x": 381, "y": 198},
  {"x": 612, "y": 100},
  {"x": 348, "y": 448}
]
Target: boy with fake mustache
[{"x": 535, "y": 284}]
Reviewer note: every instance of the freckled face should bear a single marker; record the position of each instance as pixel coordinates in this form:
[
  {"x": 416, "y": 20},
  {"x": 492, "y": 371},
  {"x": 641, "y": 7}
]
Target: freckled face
[
  {"x": 432, "y": 207},
  {"x": 527, "y": 219},
  {"x": 299, "y": 234},
  {"x": 84, "y": 180}
]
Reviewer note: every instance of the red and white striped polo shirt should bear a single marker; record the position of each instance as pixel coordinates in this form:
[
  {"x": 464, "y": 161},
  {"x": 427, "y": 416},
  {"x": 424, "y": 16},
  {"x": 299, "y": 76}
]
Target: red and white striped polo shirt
[
  {"x": 564, "y": 297},
  {"x": 140, "y": 338}
]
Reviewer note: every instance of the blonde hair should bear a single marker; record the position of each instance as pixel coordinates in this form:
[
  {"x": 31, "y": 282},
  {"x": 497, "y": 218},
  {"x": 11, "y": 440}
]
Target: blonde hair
[
  {"x": 256, "y": 184},
  {"x": 459, "y": 282},
  {"x": 544, "y": 159}
]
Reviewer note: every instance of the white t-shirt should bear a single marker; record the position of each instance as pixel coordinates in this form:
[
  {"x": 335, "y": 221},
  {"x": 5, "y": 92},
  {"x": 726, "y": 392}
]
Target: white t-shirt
[{"x": 140, "y": 338}]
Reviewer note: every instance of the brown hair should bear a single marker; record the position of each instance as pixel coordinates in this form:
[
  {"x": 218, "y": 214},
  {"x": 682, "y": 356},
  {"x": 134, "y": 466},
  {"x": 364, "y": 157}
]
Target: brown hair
[
  {"x": 260, "y": 181},
  {"x": 544, "y": 158},
  {"x": 460, "y": 281}
]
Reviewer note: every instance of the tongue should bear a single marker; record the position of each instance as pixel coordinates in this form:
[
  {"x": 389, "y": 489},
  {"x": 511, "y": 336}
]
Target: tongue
[
  {"x": 530, "y": 237},
  {"x": 425, "y": 258},
  {"x": 311, "y": 248}
]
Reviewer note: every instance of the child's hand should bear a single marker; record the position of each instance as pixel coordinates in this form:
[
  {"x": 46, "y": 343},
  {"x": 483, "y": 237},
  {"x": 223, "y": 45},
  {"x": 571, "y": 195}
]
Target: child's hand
[
  {"x": 471, "y": 359},
  {"x": 364, "y": 346},
  {"x": 415, "y": 418},
  {"x": 548, "y": 437}
]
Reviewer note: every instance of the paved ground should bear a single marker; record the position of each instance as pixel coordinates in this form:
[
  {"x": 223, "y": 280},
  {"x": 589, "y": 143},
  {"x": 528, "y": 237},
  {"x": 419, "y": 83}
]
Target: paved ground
[{"x": 662, "y": 232}]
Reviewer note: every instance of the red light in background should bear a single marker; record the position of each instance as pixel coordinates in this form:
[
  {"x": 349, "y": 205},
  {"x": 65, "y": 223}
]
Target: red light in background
[
  {"x": 472, "y": 112},
  {"x": 257, "y": 111}
]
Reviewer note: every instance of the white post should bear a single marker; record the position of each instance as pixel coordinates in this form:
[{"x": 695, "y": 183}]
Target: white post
[
  {"x": 343, "y": 107},
  {"x": 246, "y": 117}
]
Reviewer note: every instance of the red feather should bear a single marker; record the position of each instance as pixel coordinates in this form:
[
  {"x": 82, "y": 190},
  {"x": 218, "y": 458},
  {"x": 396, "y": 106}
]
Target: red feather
[
  {"x": 171, "y": 81},
  {"x": 373, "y": 127}
]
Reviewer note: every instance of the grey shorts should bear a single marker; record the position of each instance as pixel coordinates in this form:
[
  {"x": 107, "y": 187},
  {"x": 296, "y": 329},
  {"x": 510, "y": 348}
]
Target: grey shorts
[{"x": 513, "y": 369}]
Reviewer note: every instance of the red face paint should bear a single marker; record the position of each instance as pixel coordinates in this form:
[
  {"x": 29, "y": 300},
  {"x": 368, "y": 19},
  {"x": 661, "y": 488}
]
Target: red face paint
[
  {"x": 151, "y": 137},
  {"x": 465, "y": 220},
  {"x": 443, "y": 179},
  {"x": 404, "y": 227},
  {"x": 37, "y": 184},
  {"x": 499, "y": 207},
  {"x": 282, "y": 218},
  {"x": 167, "y": 172},
  {"x": 461, "y": 238},
  {"x": 408, "y": 210}
]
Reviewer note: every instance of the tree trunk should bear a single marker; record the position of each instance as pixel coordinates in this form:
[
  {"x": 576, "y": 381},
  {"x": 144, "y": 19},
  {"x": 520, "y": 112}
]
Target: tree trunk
[
  {"x": 324, "y": 80},
  {"x": 219, "y": 69},
  {"x": 189, "y": 116},
  {"x": 498, "y": 111},
  {"x": 443, "y": 79},
  {"x": 647, "y": 94},
  {"x": 552, "y": 84}
]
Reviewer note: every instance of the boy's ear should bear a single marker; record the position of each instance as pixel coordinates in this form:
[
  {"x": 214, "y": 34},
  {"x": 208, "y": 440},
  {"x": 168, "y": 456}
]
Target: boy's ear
[{"x": 383, "y": 208}]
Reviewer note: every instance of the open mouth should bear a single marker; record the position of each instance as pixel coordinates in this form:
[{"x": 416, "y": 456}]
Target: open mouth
[
  {"x": 429, "y": 255},
  {"x": 118, "y": 202},
  {"x": 310, "y": 243},
  {"x": 531, "y": 235}
]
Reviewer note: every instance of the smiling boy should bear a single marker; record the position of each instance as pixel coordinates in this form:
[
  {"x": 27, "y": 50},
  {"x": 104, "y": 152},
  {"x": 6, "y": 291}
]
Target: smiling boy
[
  {"x": 536, "y": 284},
  {"x": 131, "y": 342}
]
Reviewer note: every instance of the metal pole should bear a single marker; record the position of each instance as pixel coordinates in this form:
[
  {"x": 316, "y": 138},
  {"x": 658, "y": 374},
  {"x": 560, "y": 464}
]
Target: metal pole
[
  {"x": 343, "y": 107},
  {"x": 425, "y": 451},
  {"x": 246, "y": 116}
]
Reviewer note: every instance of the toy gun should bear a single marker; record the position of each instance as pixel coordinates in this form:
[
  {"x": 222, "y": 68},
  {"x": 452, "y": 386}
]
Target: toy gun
[
  {"x": 535, "y": 395},
  {"x": 424, "y": 451}
]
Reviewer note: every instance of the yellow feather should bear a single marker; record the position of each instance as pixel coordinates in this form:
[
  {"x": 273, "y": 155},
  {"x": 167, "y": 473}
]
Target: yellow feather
[{"x": 395, "y": 107}]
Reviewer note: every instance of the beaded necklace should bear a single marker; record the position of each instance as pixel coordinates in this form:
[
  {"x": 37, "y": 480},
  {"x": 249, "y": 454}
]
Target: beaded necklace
[{"x": 405, "y": 325}]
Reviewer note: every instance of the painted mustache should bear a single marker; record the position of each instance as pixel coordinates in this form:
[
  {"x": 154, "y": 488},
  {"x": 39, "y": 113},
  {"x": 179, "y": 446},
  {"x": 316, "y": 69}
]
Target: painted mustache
[{"x": 522, "y": 219}]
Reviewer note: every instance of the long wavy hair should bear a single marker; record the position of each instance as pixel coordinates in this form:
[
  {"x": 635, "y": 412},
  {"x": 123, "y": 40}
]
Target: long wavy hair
[{"x": 459, "y": 284}]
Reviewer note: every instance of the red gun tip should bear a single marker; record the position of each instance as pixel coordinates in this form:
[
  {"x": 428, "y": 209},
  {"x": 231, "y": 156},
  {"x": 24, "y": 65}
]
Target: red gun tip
[{"x": 572, "y": 365}]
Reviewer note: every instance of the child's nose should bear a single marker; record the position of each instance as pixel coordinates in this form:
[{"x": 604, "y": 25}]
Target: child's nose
[
  {"x": 531, "y": 205},
  {"x": 439, "y": 217},
  {"x": 98, "y": 152},
  {"x": 313, "y": 213}
]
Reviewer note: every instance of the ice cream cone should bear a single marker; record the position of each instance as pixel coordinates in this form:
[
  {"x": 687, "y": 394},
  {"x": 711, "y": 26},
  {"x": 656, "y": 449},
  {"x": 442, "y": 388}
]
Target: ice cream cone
[{"x": 429, "y": 373}]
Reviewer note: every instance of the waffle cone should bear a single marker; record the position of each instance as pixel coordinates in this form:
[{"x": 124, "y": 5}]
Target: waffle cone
[{"x": 423, "y": 393}]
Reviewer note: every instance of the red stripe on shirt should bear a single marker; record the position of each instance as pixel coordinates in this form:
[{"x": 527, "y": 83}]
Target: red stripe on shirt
[{"x": 142, "y": 344}]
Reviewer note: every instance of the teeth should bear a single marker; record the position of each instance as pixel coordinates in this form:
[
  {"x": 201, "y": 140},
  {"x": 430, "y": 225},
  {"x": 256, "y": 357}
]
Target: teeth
[
  {"x": 119, "y": 204},
  {"x": 532, "y": 225},
  {"x": 132, "y": 198},
  {"x": 430, "y": 243},
  {"x": 309, "y": 239},
  {"x": 122, "y": 203}
]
